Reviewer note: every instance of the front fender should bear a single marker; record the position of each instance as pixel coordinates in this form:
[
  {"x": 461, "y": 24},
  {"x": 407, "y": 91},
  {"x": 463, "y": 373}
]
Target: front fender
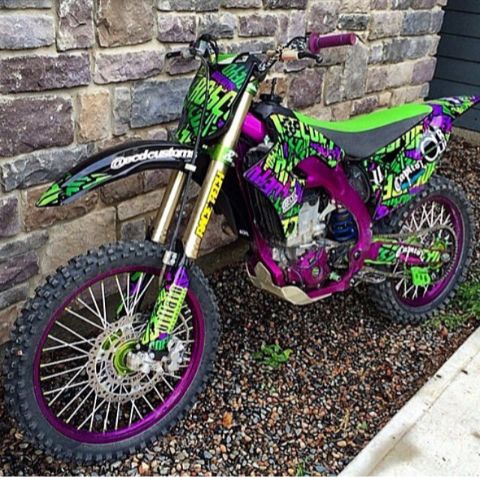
[{"x": 114, "y": 164}]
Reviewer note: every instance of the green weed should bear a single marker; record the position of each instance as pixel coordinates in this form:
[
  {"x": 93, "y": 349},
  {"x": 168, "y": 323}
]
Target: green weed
[
  {"x": 362, "y": 426},
  {"x": 300, "y": 472},
  {"x": 465, "y": 306},
  {"x": 273, "y": 355}
]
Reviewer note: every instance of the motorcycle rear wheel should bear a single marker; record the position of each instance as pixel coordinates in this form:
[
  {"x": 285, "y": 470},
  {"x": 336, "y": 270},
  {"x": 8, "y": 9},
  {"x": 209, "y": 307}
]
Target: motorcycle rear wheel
[{"x": 442, "y": 200}]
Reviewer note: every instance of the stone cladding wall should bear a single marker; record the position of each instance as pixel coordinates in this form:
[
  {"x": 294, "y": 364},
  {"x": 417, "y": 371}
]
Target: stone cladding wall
[{"x": 77, "y": 76}]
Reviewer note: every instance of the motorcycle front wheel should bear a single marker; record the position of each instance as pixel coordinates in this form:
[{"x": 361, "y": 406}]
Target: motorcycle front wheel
[{"x": 66, "y": 383}]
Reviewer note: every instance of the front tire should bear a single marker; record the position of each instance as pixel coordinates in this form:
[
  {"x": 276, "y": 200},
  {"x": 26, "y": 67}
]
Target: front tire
[
  {"x": 71, "y": 328},
  {"x": 397, "y": 301}
]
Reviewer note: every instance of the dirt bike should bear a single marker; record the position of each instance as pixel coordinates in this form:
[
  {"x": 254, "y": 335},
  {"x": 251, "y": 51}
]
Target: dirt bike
[{"x": 115, "y": 347}]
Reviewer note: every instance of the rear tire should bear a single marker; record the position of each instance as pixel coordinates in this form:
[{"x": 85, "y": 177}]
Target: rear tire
[
  {"x": 386, "y": 298},
  {"x": 41, "y": 314}
]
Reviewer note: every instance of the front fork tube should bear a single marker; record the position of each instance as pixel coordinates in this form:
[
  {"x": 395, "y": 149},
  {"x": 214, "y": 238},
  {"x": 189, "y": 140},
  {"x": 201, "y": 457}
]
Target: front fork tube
[
  {"x": 171, "y": 298},
  {"x": 166, "y": 212}
]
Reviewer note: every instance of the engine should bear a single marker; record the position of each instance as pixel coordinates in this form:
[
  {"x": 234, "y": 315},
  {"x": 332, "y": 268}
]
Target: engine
[
  {"x": 311, "y": 254},
  {"x": 304, "y": 255}
]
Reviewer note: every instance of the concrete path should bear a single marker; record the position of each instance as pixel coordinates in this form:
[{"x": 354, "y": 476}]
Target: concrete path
[{"x": 437, "y": 433}]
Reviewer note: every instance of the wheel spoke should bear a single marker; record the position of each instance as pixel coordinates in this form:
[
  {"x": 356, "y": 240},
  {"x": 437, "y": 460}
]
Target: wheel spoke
[
  {"x": 167, "y": 383},
  {"x": 61, "y": 391},
  {"x": 138, "y": 286},
  {"x": 432, "y": 215},
  {"x": 121, "y": 294},
  {"x": 61, "y": 361},
  {"x": 400, "y": 283},
  {"x": 65, "y": 344},
  {"x": 148, "y": 402},
  {"x": 171, "y": 375},
  {"x": 66, "y": 328},
  {"x": 127, "y": 310},
  {"x": 72, "y": 400},
  {"x": 61, "y": 373},
  {"x": 80, "y": 317},
  {"x": 117, "y": 416},
  {"x": 103, "y": 317},
  {"x": 104, "y": 301},
  {"x": 131, "y": 414},
  {"x": 79, "y": 406},
  {"x": 144, "y": 290},
  {"x": 72, "y": 386},
  {"x": 105, "y": 422},
  {"x": 136, "y": 409},
  {"x": 159, "y": 394},
  {"x": 93, "y": 312}
]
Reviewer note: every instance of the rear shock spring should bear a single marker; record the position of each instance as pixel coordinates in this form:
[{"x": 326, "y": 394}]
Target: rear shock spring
[{"x": 342, "y": 225}]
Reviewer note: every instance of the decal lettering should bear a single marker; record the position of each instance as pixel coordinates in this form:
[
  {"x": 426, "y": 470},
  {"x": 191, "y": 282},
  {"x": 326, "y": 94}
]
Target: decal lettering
[
  {"x": 433, "y": 144},
  {"x": 408, "y": 176},
  {"x": 289, "y": 202},
  {"x": 208, "y": 209},
  {"x": 378, "y": 176},
  {"x": 148, "y": 155}
]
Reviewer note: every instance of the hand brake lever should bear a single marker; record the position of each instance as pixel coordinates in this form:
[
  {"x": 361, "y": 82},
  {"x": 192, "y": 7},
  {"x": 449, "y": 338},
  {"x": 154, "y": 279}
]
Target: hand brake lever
[{"x": 306, "y": 54}]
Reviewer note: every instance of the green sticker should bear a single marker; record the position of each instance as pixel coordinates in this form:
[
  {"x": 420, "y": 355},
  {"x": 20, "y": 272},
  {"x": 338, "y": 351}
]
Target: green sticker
[{"x": 421, "y": 276}]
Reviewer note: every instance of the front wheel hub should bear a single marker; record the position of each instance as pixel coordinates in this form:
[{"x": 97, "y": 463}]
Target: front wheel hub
[
  {"x": 120, "y": 357},
  {"x": 109, "y": 371}
]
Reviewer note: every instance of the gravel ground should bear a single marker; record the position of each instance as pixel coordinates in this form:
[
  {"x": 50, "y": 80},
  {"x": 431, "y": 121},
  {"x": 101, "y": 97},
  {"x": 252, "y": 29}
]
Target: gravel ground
[{"x": 349, "y": 373}]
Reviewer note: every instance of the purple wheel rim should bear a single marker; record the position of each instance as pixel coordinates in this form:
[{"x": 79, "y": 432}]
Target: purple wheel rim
[
  {"x": 153, "y": 417},
  {"x": 435, "y": 291}
]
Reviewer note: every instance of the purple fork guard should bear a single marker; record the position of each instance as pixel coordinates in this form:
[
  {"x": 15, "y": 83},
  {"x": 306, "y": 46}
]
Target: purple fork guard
[
  {"x": 155, "y": 416},
  {"x": 181, "y": 278}
]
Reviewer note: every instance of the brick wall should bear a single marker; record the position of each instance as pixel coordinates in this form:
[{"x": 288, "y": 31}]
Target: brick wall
[{"x": 81, "y": 75}]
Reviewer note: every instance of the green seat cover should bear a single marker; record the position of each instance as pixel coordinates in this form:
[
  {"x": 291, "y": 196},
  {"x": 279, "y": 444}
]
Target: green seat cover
[
  {"x": 371, "y": 121},
  {"x": 364, "y": 135}
]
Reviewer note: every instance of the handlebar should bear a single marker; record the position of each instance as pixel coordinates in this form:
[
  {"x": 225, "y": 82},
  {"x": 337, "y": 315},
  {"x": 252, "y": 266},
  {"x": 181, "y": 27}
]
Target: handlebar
[
  {"x": 317, "y": 42},
  {"x": 185, "y": 54},
  {"x": 305, "y": 47}
]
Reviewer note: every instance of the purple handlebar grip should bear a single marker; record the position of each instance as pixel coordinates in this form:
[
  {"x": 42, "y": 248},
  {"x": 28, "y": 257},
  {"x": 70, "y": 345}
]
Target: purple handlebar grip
[{"x": 317, "y": 42}]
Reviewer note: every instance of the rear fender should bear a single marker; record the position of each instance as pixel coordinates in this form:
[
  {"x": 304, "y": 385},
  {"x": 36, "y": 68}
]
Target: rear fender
[
  {"x": 400, "y": 170},
  {"x": 115, "y": 164},
  {"x": 447, "y": 110}
]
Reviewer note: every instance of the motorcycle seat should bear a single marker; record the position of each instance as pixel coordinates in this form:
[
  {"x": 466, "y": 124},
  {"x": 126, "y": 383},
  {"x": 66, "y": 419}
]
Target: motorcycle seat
[{"x": 362, "y": 136}]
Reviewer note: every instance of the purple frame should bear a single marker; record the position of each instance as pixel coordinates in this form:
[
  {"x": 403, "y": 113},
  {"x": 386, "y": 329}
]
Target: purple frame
[{"x": 334, "y": 180}]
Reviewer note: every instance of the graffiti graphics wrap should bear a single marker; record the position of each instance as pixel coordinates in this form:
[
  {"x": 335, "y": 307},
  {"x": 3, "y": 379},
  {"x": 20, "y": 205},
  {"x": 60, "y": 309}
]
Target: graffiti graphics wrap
[
  {"x": 295, "y": 141},
  {"x": 166, "y": 312},
  {"x": 226, "y": 82},
  {"x": 401, "y": 169}
]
